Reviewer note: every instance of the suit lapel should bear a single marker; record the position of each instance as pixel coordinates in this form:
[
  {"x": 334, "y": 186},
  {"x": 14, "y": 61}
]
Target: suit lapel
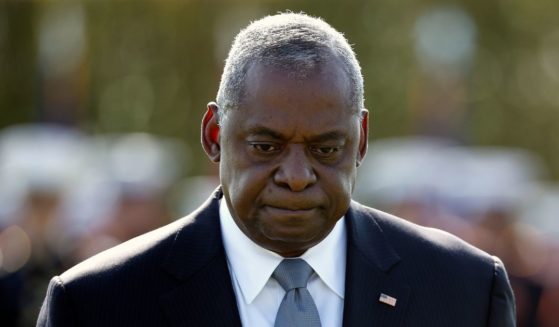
[
  {"x": 204, "y": 294},
  {"x": 370, "y": 257}
]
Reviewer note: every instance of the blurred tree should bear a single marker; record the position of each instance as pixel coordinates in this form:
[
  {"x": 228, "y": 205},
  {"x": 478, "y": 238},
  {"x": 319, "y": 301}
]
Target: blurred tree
[
  {"x": 153, "y": 65},
  {"x": 18, "y": 66}
]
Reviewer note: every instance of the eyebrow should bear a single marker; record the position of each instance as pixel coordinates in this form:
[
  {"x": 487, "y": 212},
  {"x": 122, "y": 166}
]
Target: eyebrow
[
  {"x": 328, "y": 136},
  {"x": 265, "y": 131}
]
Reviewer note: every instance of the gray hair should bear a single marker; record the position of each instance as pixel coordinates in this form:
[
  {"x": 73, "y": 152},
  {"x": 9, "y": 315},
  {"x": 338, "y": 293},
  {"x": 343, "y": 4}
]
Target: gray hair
[{"x": 295, "y": 42}]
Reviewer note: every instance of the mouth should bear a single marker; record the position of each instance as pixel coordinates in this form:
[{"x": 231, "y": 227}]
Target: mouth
[
  {"x": 291, "y": 222},
  {"x": 292, "y": 204},
  {"x": 289, "y": 212},
  {"x": 290, "y": 208}
]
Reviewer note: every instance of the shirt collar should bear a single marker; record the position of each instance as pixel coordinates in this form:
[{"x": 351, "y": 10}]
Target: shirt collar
[
  {"x": 253, "y": 265},
  {"x": 328, "y": 258}
]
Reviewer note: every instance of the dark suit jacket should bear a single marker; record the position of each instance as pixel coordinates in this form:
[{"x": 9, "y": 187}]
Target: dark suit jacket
[{"x": 177, "y": 276}]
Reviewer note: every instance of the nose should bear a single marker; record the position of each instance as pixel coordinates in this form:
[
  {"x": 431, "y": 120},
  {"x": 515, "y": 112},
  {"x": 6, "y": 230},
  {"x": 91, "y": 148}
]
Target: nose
[{"x": 295, "y": 170}]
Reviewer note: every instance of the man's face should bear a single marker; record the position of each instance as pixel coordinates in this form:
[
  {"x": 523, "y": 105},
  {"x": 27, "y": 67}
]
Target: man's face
[{"x": 288, "y": 156}]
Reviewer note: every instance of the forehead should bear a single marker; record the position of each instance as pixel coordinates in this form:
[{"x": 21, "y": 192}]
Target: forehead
[
  {"x": 268, "y": 79},
  {"x": 313, "y": 102}
]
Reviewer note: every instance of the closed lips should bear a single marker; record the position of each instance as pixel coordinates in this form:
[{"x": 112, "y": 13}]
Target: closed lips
[
  {"x": 291, "y": 209},
  {"x": 293, "y": 205}
]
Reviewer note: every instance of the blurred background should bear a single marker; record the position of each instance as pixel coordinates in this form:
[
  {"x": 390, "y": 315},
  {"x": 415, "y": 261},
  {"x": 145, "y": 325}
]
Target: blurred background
[{"x": 100, "y": 105}]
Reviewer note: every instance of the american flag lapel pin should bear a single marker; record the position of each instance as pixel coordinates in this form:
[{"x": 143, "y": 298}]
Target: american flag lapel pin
[{"x": 387, "y": 299}]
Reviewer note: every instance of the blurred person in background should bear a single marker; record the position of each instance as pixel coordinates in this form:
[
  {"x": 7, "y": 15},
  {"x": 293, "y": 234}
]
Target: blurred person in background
[
  {"x": 289, "y": 130},
  {"x": 38, "y": 163},
  {"x": 125, "y": 194},
  {"x": 65, "y": 196}
]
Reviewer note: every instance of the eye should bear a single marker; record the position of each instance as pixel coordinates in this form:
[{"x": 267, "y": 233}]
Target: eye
[
  {"x": 265, "y": 147},
  {"x": 324, "y": 151}
]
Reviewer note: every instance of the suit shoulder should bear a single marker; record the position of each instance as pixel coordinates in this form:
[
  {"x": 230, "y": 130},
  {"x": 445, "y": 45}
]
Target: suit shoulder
[
  {"x": 174, "y": 244},
  {"x": 412, "y": 239},
  {"x": 141, "y": 252},
  {"x": 437, "y": 268}
]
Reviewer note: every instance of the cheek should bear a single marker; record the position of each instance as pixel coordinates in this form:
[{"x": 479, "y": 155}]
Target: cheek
[
  {"x": 244, "y": 184},
  {"x": 239, "y": 170},
  {"x": 338, "y": 183}
]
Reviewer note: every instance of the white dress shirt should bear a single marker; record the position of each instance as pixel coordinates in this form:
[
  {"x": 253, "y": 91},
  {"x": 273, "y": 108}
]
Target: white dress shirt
[{"x": 259, "y": 296}]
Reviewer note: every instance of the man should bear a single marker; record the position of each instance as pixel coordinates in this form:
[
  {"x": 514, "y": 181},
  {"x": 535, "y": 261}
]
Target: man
[{"x": 280, "y": 242}]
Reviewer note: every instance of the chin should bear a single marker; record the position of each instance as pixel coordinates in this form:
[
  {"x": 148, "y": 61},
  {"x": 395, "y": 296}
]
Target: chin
[
  {"x": 291, "y": 233},
  {"x": 292, "y": 244},
  {"x": 290, "y": 249}
]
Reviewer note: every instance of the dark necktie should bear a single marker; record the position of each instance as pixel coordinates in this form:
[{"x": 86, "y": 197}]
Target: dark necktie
[{"x": 297, "y": 307}]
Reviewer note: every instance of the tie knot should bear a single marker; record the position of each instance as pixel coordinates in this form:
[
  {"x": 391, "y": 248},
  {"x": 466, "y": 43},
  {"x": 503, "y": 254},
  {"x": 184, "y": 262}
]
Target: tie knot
[{"x": 293, "y": 273}]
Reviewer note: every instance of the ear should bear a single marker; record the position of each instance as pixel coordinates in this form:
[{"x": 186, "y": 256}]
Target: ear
[
  {"x": 363, "y": 136},
  {"x": 210, "y": 133}
]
